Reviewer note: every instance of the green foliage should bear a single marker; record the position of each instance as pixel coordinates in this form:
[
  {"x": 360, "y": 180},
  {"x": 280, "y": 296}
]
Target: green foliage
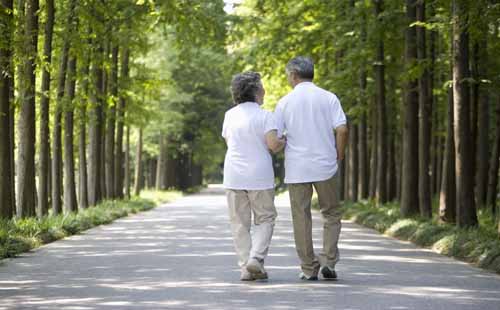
[
  {"x": 21, "y": 235},
  {"x": 479, "y": 246}
]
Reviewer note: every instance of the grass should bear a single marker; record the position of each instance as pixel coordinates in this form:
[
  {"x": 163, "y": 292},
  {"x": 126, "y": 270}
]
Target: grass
[
  {"x": 21, "y": 235},
  {"x": 479, "y": 246}
]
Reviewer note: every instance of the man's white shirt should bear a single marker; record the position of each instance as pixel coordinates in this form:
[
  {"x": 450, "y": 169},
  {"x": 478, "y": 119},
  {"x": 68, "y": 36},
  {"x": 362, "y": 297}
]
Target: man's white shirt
[
  {"x": 308, "y": 116},
  {"x": 248, "y": 163}
]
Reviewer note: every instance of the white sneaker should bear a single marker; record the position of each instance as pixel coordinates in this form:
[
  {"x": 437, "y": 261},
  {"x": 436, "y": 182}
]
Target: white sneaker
[
  {"x": 246, "y": 275},
  {"x": 256, "y": 268}
]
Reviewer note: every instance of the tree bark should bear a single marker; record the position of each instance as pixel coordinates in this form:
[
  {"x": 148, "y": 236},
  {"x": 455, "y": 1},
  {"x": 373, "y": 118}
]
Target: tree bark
[
  {"x": 95, "y": 130},
  {"x": 6, "y": 183},
  {"x": 494, "y": 164},
  {"x": 353, "y": 162},
  {"x": 483, "y": 128},
  {"x": 26, "y": 184},
  {"x": 447, "y": 196},
  {"x": 424, "y": 113},
  {"x": 138, "y": 166},
  {"x": 110, "y": 128},
  {"x": 57, "y": 165},
  {"x": 124, "y": 74},
  {"x": 127, "y": 163},
  {"x": 82, "y": 144},
  {"x": 381, "y": 187},
  {"x": 466, "y": 211},
  {"x": 70, "y": 203},
  {"x": 409, "y": 194},
  {"x": 161, "y": 167},
  {"x": 43, "y": 175},
  {"x": 373, "y": 157}
]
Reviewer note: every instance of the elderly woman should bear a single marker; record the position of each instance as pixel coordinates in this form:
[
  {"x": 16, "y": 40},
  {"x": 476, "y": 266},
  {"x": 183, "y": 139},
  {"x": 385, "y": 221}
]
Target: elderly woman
[{"x": 250, "y": 133}]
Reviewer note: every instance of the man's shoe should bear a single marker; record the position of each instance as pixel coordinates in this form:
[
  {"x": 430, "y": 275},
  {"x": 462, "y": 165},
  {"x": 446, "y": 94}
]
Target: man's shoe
[
  {"x": 328, "y": 273},
  {"x": 245, "y": 275},
  {"x": 256, "y": 268},
  {"x": 303, "y": 276}
]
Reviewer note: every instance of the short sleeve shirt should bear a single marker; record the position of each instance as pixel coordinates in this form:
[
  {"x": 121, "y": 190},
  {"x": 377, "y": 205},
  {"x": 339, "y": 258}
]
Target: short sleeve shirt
[
  {"x": 308, "y": 116},
  {"x": 248, "y": 163}
]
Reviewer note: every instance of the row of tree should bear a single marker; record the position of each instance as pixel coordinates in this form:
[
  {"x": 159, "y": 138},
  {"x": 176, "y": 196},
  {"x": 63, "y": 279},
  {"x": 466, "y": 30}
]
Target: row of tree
[
  {"x": 73, "y": 82},
  {"x": 420, "y": 86}
]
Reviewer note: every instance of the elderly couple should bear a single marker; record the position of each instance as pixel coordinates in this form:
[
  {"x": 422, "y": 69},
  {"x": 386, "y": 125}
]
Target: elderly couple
[{"x": 310, "y": 125}]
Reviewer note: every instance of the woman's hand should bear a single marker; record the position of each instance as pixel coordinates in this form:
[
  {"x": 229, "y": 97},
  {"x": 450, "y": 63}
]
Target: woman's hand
[{"x": 274, "y": 143}]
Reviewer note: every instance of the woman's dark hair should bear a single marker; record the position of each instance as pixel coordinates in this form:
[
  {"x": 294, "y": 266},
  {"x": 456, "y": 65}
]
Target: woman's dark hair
[{"x": 244, "y": 87}]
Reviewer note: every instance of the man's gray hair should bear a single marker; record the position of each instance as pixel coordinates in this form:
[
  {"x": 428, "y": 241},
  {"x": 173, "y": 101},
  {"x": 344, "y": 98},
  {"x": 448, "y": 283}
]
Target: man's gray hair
[
  {"x": 244, "y": 87},
  {"x": 302, "y": 66}
]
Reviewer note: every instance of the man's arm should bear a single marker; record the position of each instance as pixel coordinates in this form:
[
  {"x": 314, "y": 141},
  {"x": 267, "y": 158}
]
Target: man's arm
[
  {"x": 341, "y": 135},
  {"x": 274, "y": 143}
]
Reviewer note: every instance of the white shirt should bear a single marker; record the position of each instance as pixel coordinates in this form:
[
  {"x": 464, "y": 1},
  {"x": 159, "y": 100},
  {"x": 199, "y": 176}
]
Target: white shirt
[
  {"x": 248, "y": 164},
  {"x": 308, "y": 115}
]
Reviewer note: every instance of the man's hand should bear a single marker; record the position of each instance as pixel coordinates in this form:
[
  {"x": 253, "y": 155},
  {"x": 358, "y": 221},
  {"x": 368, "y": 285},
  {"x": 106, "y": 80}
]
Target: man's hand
[{"x": 341, "y": 135}]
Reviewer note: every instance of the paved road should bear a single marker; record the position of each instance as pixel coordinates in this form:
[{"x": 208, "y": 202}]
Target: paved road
[{"x": 180, "y": 256}]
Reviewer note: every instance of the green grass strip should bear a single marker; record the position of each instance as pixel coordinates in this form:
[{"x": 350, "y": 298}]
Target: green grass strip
[
  {"x": 21, "y": 235},
  {"x": 479, "y": 246}
]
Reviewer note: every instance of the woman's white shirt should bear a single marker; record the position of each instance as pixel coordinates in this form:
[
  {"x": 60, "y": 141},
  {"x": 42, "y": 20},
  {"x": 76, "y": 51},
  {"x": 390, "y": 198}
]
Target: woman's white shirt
[{"x": 248, "y": 163}]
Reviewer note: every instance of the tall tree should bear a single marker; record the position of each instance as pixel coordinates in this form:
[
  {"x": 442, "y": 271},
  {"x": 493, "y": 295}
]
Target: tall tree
[
  {"x": 139, "y": 173},
  {"x": 119, "y": 165},
  {"x": 483, "y": 115},
  {"x": 409, "y": 196},
  {"x": 44, "y": 152},
  {"x": 26, "y": 187},
  {"x": 447, "y": 195},
  {"x": 110, "y": 128},
  {"x": 424, "y": 113},
  {"x": 494, "y": 164},
  {"x": 6, "y": 182},
  {"x": 466, "y": 211},
  {"x": 381, "y": 187},
  {"x": 70, "y": 203},
  {"x": 82, "y": 143}
]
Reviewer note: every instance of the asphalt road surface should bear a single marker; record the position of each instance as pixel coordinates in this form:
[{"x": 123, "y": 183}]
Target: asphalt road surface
[{"x": 180, "y": 256}]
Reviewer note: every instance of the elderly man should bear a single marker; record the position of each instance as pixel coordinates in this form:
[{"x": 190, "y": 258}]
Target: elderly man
[
  {"x": 250, "y": 133},
  {"x": 315, "y": 127}
]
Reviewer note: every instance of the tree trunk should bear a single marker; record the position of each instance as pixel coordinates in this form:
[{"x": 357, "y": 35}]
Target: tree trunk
[
  {"x": 466, "y": 211},
  {"x": 447, "y": 196},
  {"x": 161, "y": 167},
  {"x": 6, "y": 183},
  {"x": 57, "y": 165},
  {"x": 373, "y": 157},
  {"x": 26, "y": 183},
  {"x": 409, "y": 194},
  {"x": 138, "y": 166},
  {"x": 494, "y": 164},
  {"x": 95, "y": 132},
  {"x": 127, "y": 163},
  {"x": 70, "y": 203},
  {"x": 43, "y": 175},
  {"x": 353, "y": 162},
  {"x": 110, "y": 129},
  {"x": 424, "y": 113},
  {"x": 104, "y": 113},
  {"x": 82, "y": 145},
  {"x": 483, "y": 129},
  {"x": 381, "y": 187},
  {"x": 124, "y": 74}
]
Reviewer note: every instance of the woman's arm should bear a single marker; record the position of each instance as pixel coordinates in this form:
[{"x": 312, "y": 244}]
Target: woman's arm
[{"x": 274, "y": 143}]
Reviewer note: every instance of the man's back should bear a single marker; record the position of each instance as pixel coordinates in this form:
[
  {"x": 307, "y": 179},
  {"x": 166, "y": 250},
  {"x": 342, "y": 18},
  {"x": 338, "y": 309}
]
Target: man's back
[{"x": 308, "y": 115}]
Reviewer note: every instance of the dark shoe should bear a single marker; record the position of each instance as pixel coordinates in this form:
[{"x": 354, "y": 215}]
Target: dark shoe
[
  {"x": 328, "y": 273},
  {"x": 304, "y": 277}
]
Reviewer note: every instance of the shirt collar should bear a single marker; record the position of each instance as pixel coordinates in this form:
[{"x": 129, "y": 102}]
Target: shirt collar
[{"x": 304, "y": 84}]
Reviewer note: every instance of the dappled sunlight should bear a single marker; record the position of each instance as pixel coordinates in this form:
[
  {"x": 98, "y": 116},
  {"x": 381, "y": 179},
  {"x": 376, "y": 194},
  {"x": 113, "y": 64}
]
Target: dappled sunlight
[{"x": 181, "y": 256}]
